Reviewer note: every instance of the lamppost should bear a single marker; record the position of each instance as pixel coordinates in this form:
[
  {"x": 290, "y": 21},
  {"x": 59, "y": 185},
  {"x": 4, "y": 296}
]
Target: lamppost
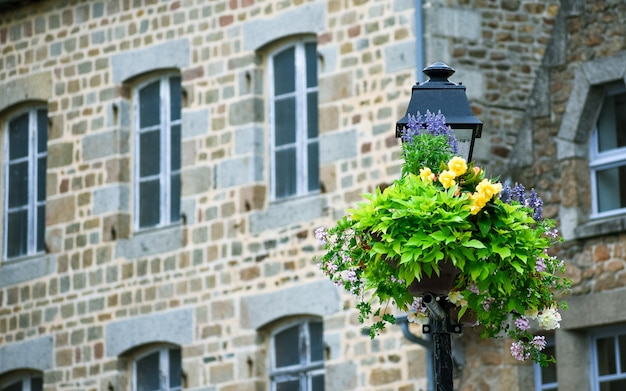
[{"x": 440, "y": 94}]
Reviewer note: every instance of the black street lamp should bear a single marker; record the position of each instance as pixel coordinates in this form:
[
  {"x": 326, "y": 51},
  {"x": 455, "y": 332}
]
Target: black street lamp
[
  {"x": 439, "y": 94},
  {"x": 434, "y": 95}
]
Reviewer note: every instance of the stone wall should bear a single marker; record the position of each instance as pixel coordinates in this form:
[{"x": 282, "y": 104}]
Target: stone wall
[{"x": 238, "y": 263}]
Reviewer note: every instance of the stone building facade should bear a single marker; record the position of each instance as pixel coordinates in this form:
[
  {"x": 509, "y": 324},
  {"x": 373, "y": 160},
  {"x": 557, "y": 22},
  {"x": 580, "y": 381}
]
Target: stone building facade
[{"x": 161, "y": 240}]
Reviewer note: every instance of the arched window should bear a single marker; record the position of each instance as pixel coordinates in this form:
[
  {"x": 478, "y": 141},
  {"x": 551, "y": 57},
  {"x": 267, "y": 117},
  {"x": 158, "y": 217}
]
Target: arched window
[
  {"x": 158, "y": 121},
  {"x": 25, "y": 182},
  {"x": 22, "y": 381},
  {"x": 293, "y": 115},
  {"x": 157, "y": 369},
  {"x": 607, "y": 157},
  {"x": 297, "y": 356}
]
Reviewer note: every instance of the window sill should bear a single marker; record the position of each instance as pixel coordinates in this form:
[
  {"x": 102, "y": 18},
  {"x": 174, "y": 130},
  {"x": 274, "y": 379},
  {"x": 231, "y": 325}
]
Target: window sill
[
  {"x": 151, "y": 241},
  {"x": 18, "y": 270},
  {"x": 288, "y": 211},
  {"x": 599, "y": 227}
]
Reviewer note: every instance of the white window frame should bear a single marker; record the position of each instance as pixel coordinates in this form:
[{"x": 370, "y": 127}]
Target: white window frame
[
  {"x": 604, "y": 160},
  {"x": 164, "y": 369},
  {"x": 305, "y": 370},
  {"x": 33, "y": 203},
  {"x": 165, "y": 172},
  {"x": 615, "y": 332},
  {"x": 302, "y": 139},
  {"x": 539, "y": 384}
]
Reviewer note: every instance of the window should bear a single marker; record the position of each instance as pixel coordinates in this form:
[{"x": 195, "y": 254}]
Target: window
[
  {"x": 25, "y": 185},
  {"x": 298, "y": 357},
  {"x": 31, "y": 382},
  {"x": 158, "y": 370},
  {"x": 608, "y": 349},
  {"x": 294, "y": 120},
  {"x": 157, "y": 168},
  {"x": 608, "y": 154},
  {"x": 545, "y": 377}
]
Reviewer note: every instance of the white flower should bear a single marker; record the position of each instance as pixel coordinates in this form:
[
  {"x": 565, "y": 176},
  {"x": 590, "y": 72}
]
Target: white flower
[
  {"x": 418, "y": 317},
  {"x": 549, "y": 319},
  {"x": 455, "y": 297}
]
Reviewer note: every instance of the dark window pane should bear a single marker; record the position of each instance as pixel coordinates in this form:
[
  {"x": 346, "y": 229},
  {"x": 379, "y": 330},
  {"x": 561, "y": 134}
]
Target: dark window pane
[
  {"x": 285, "y": 121},
  {"x": 149, "y": 203},
  {"x": 175, "y": 368},
  {"x": 615, "y": 385},
  {"x": 175, "y": 98},
  {"x": 312, "y": 114},
  {"x": 148, "y": 373},
  {"x": 310, "y": 50},
  {"x": 18, "y": 137},
  {"x": 317, "y": 383},
  {"x": 175, "y": 198},
  {"x": 284, "y": 72},
  {"x": 36, "y": 384},
  {"x": 287, "y": 347},
  {"x": 611, "y": 188},
  {"x": 316, "y": 335},
  {"x": 606, "y": 356},
  {"x": 18, "y": 184},
  {"x": 622, "y": 352},
  {"x": 548, "y": 374},
  {"x": 41, "y": 178},
  {"x": 149, "y": 104},
  {"x": 286, "y": 181},
  {"x": 42, "y": 130},
  {"x": 313, "y": 166},
  {"x": 17, "y": 233},
  {"x": 41, "y": 227},
  {"x": 150, "y": 153},
  {"x": 612, "y": 123},
  {"x": 175, "y": 148},
  {"x": 17, "y": 386},
  {"x": 289, "y": 385}
]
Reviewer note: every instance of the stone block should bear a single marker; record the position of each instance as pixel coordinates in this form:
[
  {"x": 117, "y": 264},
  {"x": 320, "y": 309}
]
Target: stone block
[
  {"x": 336, "y": 146},
  {"x": 27, "y": 269},
  {"x": 400, "y": 56},
  {"x": 309, "y": 18},
  {"x": 250, "y": 140},
  {"x": 252, "y": 198},
  {"x": 453, "y": 22},
  {"x": 321, "y": 297},
  {"x": 176, "y": 327},
  {"x": 60, "y": 210},
  {"x": 340, "y": 376},
  {"x": 36, "y": 86},
  {"x": 35, "y": 353},
  {"x": 150, "y": 243},
  {"x": 60, "y": 154},
  {"x": 283, "y": 214},
  {"x": 195, "y": 123},
  {"x": 103, "y": 144},
  {"x": 113, "y": 198},
  {"x": 246, "y": 111},
  {"x": 335, "y": 87},
  {"x": 171, "y": 54},
  {"x": 239, "y": 171},
  {"x": 196, "y": 180}
]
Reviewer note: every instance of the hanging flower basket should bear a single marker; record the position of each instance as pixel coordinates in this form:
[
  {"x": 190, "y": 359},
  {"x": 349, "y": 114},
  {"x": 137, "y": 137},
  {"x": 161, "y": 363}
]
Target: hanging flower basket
[{"x": 450, "y": 231}]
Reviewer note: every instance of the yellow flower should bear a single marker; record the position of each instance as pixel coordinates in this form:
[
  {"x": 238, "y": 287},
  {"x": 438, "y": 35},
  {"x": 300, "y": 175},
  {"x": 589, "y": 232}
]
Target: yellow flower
[
  {"x": 457, "y": 165},
  {"x": 480, "y": 200},
  {"x": 447, "y": 179},
  {"x": 488, "y": 189},
  {"x": 427, "y": 175}
]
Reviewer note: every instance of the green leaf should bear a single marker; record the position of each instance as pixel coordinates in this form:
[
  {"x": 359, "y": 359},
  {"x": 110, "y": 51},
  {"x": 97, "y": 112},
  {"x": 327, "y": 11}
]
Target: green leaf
[{"x": 474, "y": 243}]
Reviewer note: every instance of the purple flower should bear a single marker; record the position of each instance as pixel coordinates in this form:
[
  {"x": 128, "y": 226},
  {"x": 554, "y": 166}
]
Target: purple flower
[
  {"x": 432, "y": 123},
  {"x": 522, "y": 323},
  {"x": 320, "y": 235},
  {"x": 351, "y": 275},
  {"x": 518, "y": 351},
  {"x": 540, "y": 265},
  {"x": 539, "y": 341}
]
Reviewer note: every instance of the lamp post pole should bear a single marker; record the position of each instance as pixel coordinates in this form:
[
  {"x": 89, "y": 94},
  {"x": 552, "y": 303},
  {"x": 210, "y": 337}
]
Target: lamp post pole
[{"x": 440, "y": 94}]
